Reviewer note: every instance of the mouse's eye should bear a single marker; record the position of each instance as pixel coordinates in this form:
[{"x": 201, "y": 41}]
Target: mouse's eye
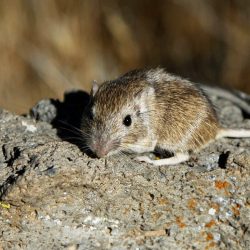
[{"x": 127, "y": 121}]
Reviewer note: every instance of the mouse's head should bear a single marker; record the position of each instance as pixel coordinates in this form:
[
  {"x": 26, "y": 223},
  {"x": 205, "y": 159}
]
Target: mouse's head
[{"x": 118, "y": 117}]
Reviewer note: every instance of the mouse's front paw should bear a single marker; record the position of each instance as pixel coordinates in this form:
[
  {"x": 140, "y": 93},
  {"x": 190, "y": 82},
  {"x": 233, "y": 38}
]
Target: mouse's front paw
[{"x": 144, "y": 159}]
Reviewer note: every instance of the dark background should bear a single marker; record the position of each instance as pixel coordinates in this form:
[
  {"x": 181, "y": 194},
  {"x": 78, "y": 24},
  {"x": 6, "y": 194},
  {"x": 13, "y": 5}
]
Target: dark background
[{"x": 47, "y": 47}]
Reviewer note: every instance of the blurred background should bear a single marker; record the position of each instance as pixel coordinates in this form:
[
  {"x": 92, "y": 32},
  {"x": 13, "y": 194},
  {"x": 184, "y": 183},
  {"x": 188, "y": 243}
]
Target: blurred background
[{"x": 47, "y": 47}]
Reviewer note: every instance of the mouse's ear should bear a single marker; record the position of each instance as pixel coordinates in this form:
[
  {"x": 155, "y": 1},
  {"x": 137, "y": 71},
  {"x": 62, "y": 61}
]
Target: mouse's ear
[
  {"x": 143, "y": 96},
  {"x": 94, "y": 88},
  {"x": 145, "y": 93}
]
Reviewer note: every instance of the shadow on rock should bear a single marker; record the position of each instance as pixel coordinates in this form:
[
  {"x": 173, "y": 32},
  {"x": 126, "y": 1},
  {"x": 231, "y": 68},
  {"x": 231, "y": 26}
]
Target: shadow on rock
[{"x": 66, "y": 117}]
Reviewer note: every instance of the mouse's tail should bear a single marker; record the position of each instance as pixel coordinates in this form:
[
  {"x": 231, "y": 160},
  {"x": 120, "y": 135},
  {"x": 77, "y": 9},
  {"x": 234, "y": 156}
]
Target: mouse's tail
[{"x": 233, "y": 133}]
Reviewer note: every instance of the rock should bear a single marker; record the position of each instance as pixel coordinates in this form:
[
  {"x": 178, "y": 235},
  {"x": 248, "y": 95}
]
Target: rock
[
  {"x": 56, "y": 197},
  {"x": 45, "y": 110}
]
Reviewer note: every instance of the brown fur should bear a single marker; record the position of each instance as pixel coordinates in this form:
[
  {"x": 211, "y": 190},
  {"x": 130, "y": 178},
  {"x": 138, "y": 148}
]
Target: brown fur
[
  {"x": 176, "y": 116},
  {"x": 185, "y": 118}
]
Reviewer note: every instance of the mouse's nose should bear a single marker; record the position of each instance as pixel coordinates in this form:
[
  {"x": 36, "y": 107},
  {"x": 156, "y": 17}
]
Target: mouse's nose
[{"x": 99, "y": 150}]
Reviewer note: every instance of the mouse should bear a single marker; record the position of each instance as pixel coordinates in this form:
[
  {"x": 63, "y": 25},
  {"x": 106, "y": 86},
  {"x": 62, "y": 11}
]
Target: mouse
[{"x": 148, "y": 109}]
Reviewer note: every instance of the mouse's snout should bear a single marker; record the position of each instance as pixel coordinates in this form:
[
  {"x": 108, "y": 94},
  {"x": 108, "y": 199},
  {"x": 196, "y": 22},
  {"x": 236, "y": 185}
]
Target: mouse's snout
[
  {"x": 99, "y": 150},
  {"x": 102, "y": 148}
]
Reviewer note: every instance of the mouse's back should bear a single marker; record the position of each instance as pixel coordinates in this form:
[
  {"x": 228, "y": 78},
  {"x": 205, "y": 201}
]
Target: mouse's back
[{"x": 186, "y": 119}]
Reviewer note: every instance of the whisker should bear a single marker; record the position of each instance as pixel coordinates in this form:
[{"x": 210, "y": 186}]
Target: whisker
[
  {"x": 82, "y": 134},
  {"x": 74, "y": 138},
  {"x": 75, "y": 129},
  {"x": 126, "y": 158},
  {"x": 85, "y": 148},
  {"x": 70, "y": 125},
  {"x": 70, "y": 130},
  {"x": 124, "y": 155}
]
